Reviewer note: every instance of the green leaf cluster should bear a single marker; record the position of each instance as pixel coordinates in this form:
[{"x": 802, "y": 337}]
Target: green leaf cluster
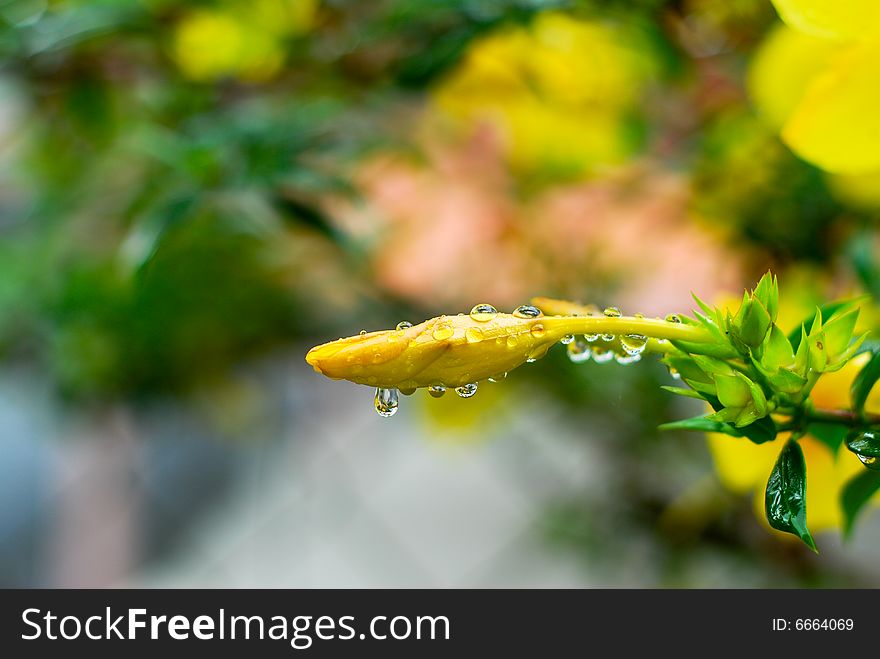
[{"x": 757, "y": 381}]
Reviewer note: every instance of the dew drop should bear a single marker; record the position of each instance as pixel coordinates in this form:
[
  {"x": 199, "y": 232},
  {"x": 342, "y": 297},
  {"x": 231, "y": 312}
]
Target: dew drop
[
  {"x": 870, "y": 461},
  {"x": 466, "y": 390},
  {"x": 409, "y": 391},
  {"x": 579, "y": 350},
  {"x": 538, "y": 330},
  {"x": 512, "y": 340},
  {"x": 403, "y": 324},
  {"x": 607, "y": 337},
  {"x": 638, "y": 315},
  {"x": 527, "y": 311},
  {"x": 473, "y": 335},
  {"x": 501, "y": 377},
  {"x": 567, "y": 339},
  {"x": 591, "y": 337},
  {"x": 633, "y": 344},
  {"x": 483, "y": 313},
  {"x": 673, "y": 318},
  {"x": 363, "y": 332},
  {"x": 612, "y": 312},
  {"x": 436, "y": 390},
  {"x": 602, "y": 355},
  {"x": 386, "y": 401},
  {"x": 674, "y": 373},
  {"x": 442, "y": 331},
  {"x": 531, "y": 360}
]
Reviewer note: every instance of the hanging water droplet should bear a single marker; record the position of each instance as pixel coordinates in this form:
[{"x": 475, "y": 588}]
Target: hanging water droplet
[
  {"x": 591, "y": 337},
  {"x": 567, "y": 339},
  {"x": 404, "y": 324},
  {"x": 579, "y": 351},
  {"x": 673, "y": 318},
  {"x": 363, "y": 332},
  {"x": 538, "y": 330},
  {"x": 466, "y": 390},
  {"x": 483, "y": 313},
  {"x": 531, "y": 360},
  {"x": 386, "y": 401},
  {"x": 409, "y": 391},
  {"x": 527, "y": 311},
  {"x": 674, "y": 373},
  {"x": 473, "y": 335},
  {"x": 442, "y": 331},
  {"x": 501, "y": 377},
  {"x": 870, "y": 461},
  {"x": 633, "y": 344},
  {"x": 612, "y": 312},
  {"x": 436, "y": 390},
  {"x": 602, "y": 355}
]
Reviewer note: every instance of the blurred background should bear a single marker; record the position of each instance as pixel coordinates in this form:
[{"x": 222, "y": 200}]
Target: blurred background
[{"x": 192, "y": 194}]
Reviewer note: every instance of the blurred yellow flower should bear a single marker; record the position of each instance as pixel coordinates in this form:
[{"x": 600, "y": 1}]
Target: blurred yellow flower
[
  {"x": 818, "y": 82},
  {"x": 559, "y": 92},
  {"x": 244, "y": 43}
]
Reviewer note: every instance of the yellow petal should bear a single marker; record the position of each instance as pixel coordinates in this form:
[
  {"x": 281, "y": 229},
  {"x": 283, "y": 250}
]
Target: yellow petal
[
  {"x": 834, "y": 19},
  {"x": 836, "y": 126},
  {"x": 781, "y": 70}
]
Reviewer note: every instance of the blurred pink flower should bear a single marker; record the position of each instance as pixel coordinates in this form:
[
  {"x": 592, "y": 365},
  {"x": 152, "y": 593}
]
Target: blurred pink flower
[{"x": 452, "y": 230}]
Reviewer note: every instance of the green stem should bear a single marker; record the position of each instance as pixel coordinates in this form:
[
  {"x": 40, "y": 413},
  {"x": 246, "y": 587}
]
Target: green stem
[{"x": 622, "y": 325}]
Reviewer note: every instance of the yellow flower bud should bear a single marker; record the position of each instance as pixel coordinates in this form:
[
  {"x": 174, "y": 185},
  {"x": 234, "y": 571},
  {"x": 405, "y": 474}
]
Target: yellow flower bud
[{"x": 459, "y": 350}]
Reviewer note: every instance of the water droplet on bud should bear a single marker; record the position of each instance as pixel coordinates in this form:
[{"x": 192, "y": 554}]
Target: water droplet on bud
[
  {"x": 612, "y": 312},
  {"x": 403, "y": 324},
  {"x": 386, "y": 401},
  {"x": 567, "y": 339},
  {"x": 436, "y": 390},
  {"x": 538, "y": 330},
  {"x": 466, "y": 390},
  {"x": 363, "y": 332},
  {"x": 673, "y": 318},
  {"x": 501, "y": 377},
  {"x": 442, "y": 331},
  {"x": 527, "y": 311},
  {"x": 473, "y": 335},
  {"x": 483, "y": 313},
  {"x": 633, "y": 344}
]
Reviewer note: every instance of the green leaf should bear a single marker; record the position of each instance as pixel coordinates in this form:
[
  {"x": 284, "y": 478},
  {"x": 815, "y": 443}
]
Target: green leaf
[
  {"x": 681, "y": 391},
  {"x": 713, "y": 366},
  {"x": 827, "y": 310},
  {"x": 761, "y": 431},
  {"x": 839, "y": 331},
  {"x": 732, "y": 390},
  {"x": 830, "y": 434},
  {"x": 864, "y": 442},
  {"x": 785, "y": 500},
  {"x": 767, "y": 291},
  {"x": 752, "y": 323},
  {"x": 702, "y": 424},
  {"x": 857, "y": 492},
  {"x": 719, "y": 350},
  {"x": 777, "y": 350},
  {"x": 864, "y": 382},
  {"x": 787, "y": 382}
]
